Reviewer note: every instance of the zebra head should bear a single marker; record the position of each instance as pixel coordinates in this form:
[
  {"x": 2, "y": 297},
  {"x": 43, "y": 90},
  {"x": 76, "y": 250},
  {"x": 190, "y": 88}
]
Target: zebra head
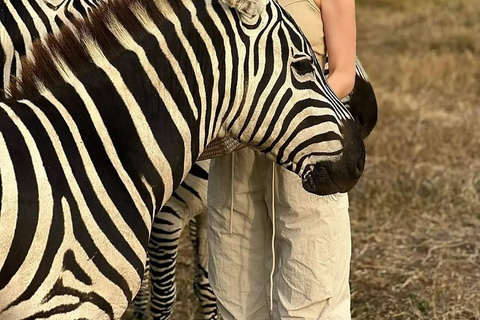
[{"x": 287, "y": 109}]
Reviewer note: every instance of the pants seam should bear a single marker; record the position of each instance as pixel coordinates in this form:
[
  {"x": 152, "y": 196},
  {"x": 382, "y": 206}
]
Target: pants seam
[{"x": 267, "y": 304}]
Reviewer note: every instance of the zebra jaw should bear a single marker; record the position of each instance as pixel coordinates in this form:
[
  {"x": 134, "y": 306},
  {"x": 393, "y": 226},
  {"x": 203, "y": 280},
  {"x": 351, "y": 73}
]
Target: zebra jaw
[{"x": 318, "y": 181}]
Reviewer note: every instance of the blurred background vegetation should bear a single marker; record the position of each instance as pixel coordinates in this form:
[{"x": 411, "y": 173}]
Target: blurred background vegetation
[{"x": 416, "y": 212}]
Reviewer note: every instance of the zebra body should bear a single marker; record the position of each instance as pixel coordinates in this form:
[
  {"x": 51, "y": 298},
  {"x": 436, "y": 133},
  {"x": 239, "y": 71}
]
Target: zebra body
[
  {"x": 62, "y": 13},
  {"x": 104, "y": 126}
]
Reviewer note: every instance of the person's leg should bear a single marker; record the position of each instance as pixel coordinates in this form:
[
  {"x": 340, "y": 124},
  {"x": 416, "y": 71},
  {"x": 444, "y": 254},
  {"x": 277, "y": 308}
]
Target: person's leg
[
  {"x": 312, "y": 249},
  {"x": 237, "y": 241}
]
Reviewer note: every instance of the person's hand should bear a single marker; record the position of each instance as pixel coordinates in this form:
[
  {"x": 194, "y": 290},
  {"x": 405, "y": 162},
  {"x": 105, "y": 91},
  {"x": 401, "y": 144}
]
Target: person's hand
[{"x": 342, "y": 83}]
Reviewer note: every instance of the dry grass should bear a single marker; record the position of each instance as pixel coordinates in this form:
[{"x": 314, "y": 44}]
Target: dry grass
[{"x": 416, "y": 212}]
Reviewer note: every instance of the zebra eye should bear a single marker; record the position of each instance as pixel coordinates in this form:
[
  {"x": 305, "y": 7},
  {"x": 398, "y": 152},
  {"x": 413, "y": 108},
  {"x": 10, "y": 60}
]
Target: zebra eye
[{"x": 302, "y": 67}]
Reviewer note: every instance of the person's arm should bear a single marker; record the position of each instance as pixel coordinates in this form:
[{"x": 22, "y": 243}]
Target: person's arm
[{"x": 340, "y": 37}]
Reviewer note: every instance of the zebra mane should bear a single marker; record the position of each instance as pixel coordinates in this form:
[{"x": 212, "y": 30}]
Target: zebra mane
[{"x": 67, "y": 49}]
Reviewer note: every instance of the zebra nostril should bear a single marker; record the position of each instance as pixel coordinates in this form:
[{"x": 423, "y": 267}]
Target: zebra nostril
[{"x": 360, "y": 167}]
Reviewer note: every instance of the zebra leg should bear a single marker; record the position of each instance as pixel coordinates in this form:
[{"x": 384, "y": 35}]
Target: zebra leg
[
  {"x": 201, "y": 285},
  {"x": 163, "y": 250},
  {"x": 140, "y": 302}
]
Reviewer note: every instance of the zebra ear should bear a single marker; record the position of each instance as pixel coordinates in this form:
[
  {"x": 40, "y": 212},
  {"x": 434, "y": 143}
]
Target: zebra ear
[{"x": 248, "y": 9}]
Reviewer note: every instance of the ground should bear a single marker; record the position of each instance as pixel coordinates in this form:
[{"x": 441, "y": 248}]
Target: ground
[{"x": 416, "y": 211}]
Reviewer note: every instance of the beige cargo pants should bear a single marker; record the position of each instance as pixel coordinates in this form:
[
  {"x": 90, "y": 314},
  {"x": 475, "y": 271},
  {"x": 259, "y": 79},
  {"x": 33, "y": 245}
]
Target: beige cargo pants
[{"x": 311, "y": 243}]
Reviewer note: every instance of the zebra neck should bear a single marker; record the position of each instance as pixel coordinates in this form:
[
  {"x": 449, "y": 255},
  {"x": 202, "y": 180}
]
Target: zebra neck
[{"x": 137, "y": 110}]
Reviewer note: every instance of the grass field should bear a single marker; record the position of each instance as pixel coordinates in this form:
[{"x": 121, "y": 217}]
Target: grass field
[{"x": 416, "y": 212}]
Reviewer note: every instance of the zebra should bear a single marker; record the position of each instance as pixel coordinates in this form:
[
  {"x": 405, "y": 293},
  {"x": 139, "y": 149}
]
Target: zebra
[
  {"x": 189, "y": 200},
  {"x": 91, "y": 153},
  {"x": 163, "y": 295},
  {"x": 35, "y": 20},
  {"x": 60, "y": 14}
]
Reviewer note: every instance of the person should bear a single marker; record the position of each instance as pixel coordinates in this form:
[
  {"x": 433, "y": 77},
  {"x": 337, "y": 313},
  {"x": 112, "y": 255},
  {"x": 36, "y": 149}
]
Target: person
[{"x": 304, "y": 272}]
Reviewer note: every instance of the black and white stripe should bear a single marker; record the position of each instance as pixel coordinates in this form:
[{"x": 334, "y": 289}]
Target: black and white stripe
[
  {"x": 105, "y": 124},
  {"x": 24, "y": 21}
]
